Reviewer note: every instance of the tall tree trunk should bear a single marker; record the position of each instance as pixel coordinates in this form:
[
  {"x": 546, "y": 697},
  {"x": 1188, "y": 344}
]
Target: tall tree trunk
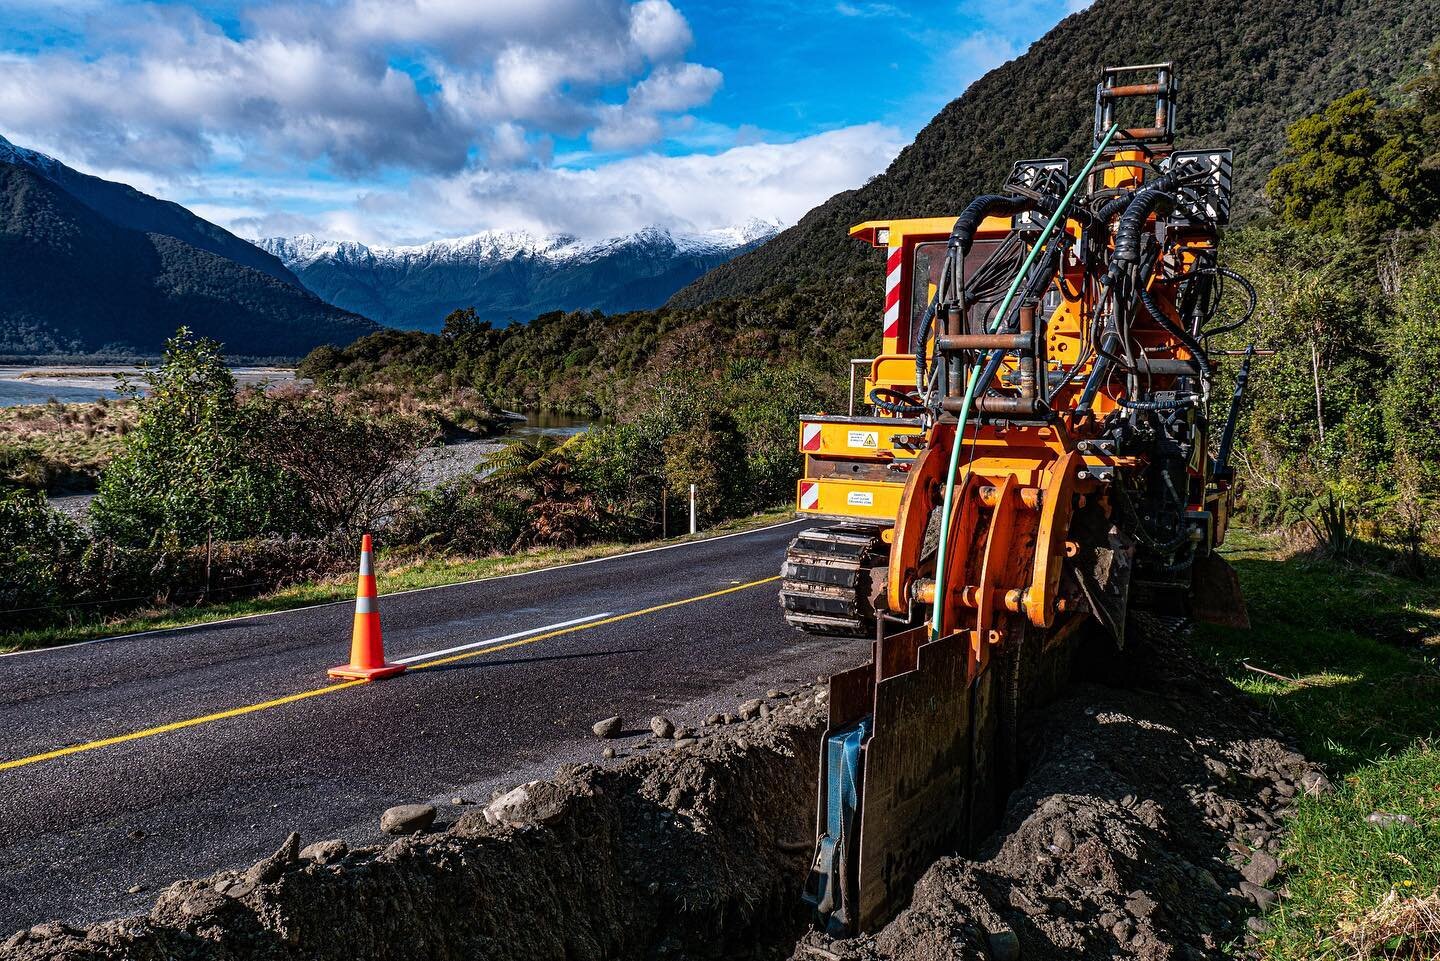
[{"x": 1319, "y": 403}]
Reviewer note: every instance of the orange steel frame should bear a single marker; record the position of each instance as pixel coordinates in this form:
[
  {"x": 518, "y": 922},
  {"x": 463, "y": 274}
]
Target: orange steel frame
[{"x": 1019, "y": 483}]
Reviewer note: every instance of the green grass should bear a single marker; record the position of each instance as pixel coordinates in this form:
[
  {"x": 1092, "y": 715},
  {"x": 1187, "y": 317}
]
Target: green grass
[
  {"x": 391, "y": 577},
  {"x": 1363, "y": 697}
]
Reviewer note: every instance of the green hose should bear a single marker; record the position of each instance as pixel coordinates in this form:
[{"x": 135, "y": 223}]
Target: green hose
[{"x": 1057, "y": 218}]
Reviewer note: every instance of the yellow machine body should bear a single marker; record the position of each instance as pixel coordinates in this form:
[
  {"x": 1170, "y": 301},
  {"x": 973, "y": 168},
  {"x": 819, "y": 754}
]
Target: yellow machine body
[{"x": 1063, "y": 466}]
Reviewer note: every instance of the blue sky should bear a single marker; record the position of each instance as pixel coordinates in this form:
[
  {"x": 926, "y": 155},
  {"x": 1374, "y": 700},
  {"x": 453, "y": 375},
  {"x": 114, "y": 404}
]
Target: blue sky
[{"x": 401, "y": 121}]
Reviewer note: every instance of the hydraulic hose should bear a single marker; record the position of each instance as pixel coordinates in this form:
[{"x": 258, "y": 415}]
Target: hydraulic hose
[
  {"x": 1249, "y": 289},
  {"x": 962, "y": 235},
  {"x": 1197, "y": 353},
  {"x": 1132, "y": 222},
  {"x": 1058, "y": 217}
]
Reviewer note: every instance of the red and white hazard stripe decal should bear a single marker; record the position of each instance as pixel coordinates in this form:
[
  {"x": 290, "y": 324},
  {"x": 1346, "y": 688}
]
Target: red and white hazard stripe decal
[
  {"x": 809, "y": 495},
  {"x": 810, "y": 437},
  {"x": 892, "y": 291}
]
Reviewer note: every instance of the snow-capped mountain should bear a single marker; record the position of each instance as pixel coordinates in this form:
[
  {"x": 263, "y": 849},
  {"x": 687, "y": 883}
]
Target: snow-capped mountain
[{"x": 510, "y": 275}]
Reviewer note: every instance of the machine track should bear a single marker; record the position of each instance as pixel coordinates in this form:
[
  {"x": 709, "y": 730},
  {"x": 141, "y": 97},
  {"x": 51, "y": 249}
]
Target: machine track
[{"x": 829, "y": 579}]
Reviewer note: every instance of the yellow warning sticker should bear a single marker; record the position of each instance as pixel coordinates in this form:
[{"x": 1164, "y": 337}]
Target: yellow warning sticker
[{"x": 864, "y": 438}]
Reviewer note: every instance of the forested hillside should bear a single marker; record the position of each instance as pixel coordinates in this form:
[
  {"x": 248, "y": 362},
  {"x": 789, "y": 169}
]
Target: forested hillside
[
  {"x": 1247, "y": 69},
  {"x": 75, "y": 281},
  {"x": 127, "y": 207}
]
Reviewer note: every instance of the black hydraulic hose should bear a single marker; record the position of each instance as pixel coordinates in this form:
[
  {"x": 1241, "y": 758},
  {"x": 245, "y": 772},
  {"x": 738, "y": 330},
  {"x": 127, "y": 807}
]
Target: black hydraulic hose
[
  {"x": 1115, "y": 206},
  {"x": 1137, "y": 211},
  {"x": 1197, "y": 353},
  {"x": 899, "y": 404},
  {"x": 1099, "y": 371},
  {"x": 962, "y": 235},
  {"x": 1249, "y": 289},
  {"x": 918, "y": 341}
]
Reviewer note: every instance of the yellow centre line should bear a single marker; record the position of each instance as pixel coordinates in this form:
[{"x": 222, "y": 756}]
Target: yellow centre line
[{"x": 332, "y": 688}]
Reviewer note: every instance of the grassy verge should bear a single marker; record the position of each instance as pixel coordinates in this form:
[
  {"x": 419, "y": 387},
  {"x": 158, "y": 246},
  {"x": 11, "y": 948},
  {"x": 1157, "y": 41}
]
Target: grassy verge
[
  {"x": 392, "y": 577},
  {"x": 1361, "y": 693}
]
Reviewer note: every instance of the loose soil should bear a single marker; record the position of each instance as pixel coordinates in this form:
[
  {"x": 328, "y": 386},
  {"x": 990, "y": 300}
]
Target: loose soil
[{"x": 1146, "y": 828}]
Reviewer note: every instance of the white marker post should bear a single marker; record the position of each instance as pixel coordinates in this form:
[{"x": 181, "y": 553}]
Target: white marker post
[{"x": 692, "y": 508}]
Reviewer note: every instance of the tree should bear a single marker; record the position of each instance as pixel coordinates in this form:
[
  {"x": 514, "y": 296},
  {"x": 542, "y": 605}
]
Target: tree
[
  {"x": 1356, "y": 167},
  {"x": 184, "y": 473},
  {"x": 349, "y": 467},
  {"x": 1424, "y": 91}
]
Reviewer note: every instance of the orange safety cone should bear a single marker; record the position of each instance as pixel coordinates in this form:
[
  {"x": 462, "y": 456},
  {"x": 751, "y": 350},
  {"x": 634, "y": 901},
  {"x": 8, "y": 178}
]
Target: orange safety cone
[{"x": 367, "y": 649}]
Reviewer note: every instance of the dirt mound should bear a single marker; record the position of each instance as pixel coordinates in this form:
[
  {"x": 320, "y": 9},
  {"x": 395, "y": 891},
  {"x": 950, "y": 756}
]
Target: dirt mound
[
  {"x": 694, "y": 852},
  {"x": 1147, "y": 827}
]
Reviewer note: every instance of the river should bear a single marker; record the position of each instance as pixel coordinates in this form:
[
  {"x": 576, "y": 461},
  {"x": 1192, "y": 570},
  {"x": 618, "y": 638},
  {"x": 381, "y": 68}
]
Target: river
[
  {"x": 90, "y": 382},
  {"x": 543, "y": 423}
]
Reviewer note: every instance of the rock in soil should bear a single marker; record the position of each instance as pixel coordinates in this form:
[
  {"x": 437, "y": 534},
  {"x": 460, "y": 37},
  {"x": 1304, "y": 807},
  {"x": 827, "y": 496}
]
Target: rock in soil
[
  {"x": 272, "y": 867},
  {"x": 324, "y": 852},
  {"x": 662, "y": 726},
  {"x": 1386, "y": 820},
  {"x": 609, "y": 727},
  {"x": 407, "y": 818}
]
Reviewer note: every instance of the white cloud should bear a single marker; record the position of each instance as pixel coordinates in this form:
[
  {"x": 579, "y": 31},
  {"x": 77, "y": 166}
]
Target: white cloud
[
  {"x": 659, "y": 30},
  {"x": 355, "y": 85},
  {"x": 668, "y": 90},
  {"x": 696, "y": 191},
  {"x": 673, "y": 89}
]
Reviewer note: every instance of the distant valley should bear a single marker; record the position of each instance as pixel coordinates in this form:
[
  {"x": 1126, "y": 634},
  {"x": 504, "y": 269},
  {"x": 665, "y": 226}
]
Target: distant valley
[{"x": 510, "y": 276}]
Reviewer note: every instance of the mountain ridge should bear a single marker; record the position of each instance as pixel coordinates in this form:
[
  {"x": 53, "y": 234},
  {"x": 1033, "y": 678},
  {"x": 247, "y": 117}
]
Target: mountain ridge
[
  {"x": 76, "y": 281},
  {"x": 137, "y": 210},
  {"x": 510, "y": 275}
]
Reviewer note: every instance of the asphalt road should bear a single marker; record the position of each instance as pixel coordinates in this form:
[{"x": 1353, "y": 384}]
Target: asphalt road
[{"x": 161, "y": 789}]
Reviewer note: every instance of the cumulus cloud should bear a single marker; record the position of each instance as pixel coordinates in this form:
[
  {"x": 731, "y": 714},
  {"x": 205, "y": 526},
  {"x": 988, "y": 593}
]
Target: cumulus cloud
[
  {"x": 696, "y": 191},
  {"x": 356, "y": 85},
  {"x": 402, "y": 121}
]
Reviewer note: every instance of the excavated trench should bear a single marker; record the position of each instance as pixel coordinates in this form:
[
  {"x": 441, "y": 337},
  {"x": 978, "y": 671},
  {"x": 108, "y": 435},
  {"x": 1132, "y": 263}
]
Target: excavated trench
[{"x": 1146, "y": 827}]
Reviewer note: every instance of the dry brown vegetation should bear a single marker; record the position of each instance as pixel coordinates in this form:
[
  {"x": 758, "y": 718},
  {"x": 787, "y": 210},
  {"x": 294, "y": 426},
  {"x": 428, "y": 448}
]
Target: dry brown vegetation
[
  {"x": 1398, "y": 928},
  {"x": 61, "y": 446}
]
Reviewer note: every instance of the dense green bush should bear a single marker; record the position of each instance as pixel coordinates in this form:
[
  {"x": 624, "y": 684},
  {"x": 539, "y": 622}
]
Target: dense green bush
[
  {"x": 1356, "y": 168},
  {"x": 37, "y": 563},
  {"x": 186, "y": 473}
]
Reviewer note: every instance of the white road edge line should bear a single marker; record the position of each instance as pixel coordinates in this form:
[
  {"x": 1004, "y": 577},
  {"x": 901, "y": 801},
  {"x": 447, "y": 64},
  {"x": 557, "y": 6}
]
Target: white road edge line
[
  {"x": 500, "y": 640},
  {"x": 413, "y": 590}
]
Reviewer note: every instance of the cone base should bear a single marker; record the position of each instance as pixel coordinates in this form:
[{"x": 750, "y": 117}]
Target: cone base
[{"x": 350, "y": 673}]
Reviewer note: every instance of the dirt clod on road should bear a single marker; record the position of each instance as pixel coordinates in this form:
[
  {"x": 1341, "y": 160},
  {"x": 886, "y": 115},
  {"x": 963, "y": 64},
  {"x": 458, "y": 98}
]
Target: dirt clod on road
[{"x": 1148, "y": 826}]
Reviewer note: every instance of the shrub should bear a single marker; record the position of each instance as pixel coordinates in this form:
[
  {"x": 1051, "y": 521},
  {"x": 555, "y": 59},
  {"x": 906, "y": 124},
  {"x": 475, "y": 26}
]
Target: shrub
[
  {"x": 37, "y": 565},
  {"x": 350, "y": 468},
  {"x": 184, "y": 473}
]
